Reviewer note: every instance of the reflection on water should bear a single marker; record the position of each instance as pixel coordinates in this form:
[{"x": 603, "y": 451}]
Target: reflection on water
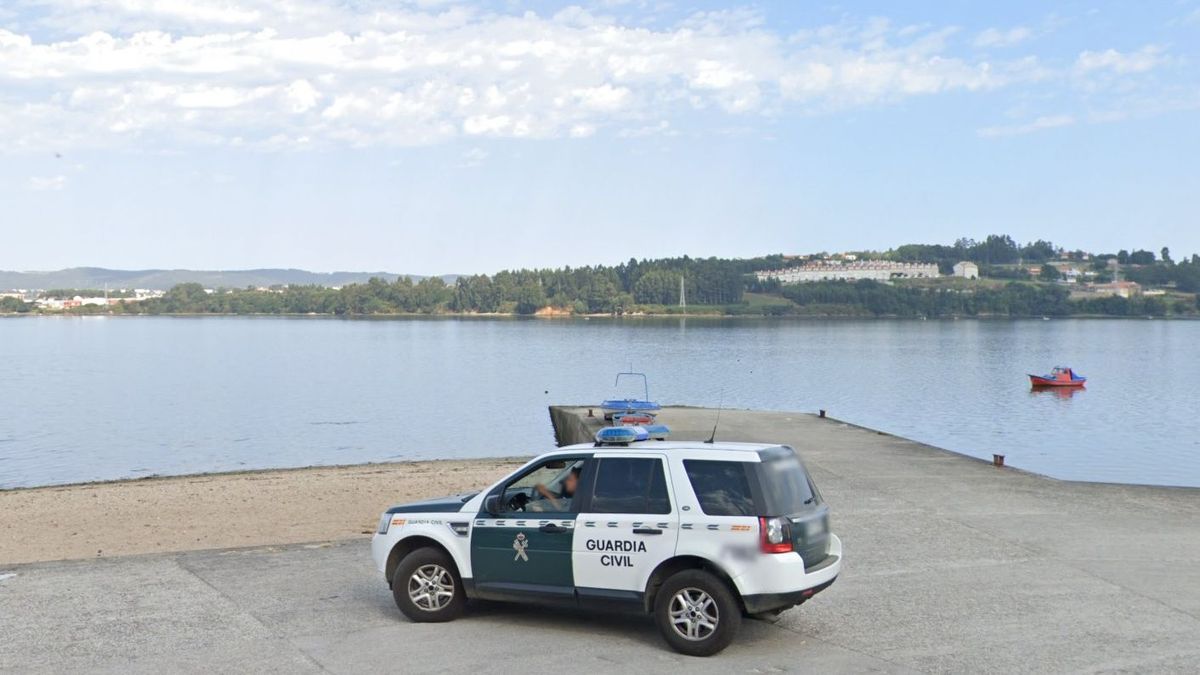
[
  {"x": 110, "y": 398},
  {"x": 1058, "y": 392}
]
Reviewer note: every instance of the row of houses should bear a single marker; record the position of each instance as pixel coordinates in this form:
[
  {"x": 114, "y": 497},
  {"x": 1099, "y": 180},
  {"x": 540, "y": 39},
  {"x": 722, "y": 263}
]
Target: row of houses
[
  {"x": 78, "y": 301},
  {"x": 58, "y": 304},
  {"x": 884, "y": 270},
  {"x": 1120, "y": 289},
  {"x": 853, "y": 270}
]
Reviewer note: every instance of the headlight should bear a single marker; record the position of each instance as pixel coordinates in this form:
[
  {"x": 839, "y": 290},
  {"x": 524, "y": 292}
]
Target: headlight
[{"x": 384, "y": 521}]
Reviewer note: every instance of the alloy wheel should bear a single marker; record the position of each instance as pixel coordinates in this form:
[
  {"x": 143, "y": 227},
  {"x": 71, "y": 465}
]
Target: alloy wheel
[
  {"x": 694, "y": 614},
  {"x": 431, "y": 587}
]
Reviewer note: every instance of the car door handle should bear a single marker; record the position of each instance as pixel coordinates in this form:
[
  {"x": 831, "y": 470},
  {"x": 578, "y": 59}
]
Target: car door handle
[
  {"x": 552, "y": 528},
  {"x": 646, "y": 530}
]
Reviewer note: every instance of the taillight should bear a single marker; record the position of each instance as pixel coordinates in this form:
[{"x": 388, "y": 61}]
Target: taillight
[{"x": 775, "y": 535}]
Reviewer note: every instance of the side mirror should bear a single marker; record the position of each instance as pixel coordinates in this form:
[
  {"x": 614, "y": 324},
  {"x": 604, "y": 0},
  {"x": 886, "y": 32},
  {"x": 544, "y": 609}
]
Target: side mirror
[{"x": 492, "y": 504}]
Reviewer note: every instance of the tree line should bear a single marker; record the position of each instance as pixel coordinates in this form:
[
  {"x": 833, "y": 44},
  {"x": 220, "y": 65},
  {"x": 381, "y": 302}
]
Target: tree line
[
  {"x": 1014, "y": 299},
  {"x": 1185, "y": 276},
  {"x": 717, "y": 283},
  {"x": 606, "y": 289},
  {"x": 581, "y": 290},
  {"x": 996, "y": 249}
]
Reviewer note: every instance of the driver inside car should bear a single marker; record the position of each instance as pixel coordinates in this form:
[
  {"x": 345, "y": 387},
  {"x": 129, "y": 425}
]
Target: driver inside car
[{"x": 560, "y": 501}]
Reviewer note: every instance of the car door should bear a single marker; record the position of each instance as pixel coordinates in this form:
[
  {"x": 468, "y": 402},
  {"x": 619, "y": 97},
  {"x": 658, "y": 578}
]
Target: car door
[
  {"x": 628, "y": 524},
  {"x": 522, "y": 548}
]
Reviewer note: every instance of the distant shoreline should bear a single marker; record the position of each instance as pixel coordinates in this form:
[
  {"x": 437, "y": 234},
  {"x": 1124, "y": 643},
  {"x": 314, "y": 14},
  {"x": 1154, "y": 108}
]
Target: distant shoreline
[{"x": 569, "y": 317}]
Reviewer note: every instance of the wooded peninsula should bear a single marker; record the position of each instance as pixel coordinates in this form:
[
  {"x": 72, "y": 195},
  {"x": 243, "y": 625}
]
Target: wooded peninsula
[{"x": 1005, "y": 279}]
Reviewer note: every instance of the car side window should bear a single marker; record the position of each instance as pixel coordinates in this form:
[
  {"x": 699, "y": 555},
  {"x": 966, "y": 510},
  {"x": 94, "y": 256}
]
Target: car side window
[
  {"x": 630, "y": 485},
  {"x": 722, "y": 487},
  {"x": 546, "y": 488}
]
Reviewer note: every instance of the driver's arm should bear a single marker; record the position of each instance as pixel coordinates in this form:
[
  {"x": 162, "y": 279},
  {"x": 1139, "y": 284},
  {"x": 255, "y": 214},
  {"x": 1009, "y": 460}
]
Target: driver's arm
[{"x": 548, "y": 495}]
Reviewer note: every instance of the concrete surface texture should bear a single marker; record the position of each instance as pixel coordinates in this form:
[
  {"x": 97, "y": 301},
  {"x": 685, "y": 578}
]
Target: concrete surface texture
[{"x": 952, "y": 566}]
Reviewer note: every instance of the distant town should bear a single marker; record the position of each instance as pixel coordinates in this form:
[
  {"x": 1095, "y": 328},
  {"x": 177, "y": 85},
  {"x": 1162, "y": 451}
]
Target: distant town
[
  {"x": 994, "y": 277},
  {"x": 1087, "y": 280}
]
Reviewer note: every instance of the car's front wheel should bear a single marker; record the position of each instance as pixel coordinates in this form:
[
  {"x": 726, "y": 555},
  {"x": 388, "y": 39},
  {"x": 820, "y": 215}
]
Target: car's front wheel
[
  {"x": 427, "y": 588},
  {"x": 697, "y": 613}
]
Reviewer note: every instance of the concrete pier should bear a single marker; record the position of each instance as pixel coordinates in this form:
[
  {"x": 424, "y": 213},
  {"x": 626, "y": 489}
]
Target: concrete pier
[{"x": 952, "y": 566}]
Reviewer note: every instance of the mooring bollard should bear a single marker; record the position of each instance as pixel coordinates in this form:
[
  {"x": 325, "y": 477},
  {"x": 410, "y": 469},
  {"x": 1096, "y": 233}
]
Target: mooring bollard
[
  {"x": 822, "y": 412},
  {"x": 997, "y": 460}
]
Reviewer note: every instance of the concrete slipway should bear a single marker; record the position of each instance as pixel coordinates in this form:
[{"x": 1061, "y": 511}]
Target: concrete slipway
[{"x": 952, "y": 566}]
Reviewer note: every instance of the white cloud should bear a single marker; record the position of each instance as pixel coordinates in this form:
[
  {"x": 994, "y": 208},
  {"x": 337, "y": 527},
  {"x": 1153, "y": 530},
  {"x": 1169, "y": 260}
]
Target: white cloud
[
  {"x": 309, "y": 73},
  {"x": 603, "y": 98},
  {"x": 46, "y": 183},
  {"x": 1123, "y": 63},
  {"x": 582, "y": 131},
  {"x": 472, "y": 158},
  {"x": 662, "y": 128},
  {"x": 996, "y": 37},
  {"x": 1039, "y": 124}
]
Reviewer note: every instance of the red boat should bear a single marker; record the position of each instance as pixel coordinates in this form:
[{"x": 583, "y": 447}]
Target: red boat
[{"x": 1059, "y": 377}]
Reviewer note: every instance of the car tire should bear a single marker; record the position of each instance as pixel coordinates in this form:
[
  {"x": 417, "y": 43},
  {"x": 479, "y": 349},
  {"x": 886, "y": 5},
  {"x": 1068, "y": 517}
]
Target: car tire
[
  {"x": 427, "y": 588},
  {"x": 697, "y": 613}
]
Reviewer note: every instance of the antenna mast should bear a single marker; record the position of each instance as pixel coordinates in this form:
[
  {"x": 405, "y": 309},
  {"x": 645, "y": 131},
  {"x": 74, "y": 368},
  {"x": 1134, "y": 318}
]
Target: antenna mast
[{"x": 720, "y": 405}]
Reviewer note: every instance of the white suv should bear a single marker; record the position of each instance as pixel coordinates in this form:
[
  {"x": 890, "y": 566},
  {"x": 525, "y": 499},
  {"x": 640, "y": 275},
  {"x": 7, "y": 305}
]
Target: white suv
[{"x": 697, "y": 534}]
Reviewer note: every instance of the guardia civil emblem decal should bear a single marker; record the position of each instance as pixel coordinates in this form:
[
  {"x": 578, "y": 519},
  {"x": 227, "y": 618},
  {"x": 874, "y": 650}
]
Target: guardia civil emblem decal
[{"x": 519, "y": 545}]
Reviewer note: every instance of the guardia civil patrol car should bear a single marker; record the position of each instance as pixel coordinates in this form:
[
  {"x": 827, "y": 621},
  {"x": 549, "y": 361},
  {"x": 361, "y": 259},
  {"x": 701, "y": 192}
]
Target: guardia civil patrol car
[{"x": 695, "y": 534}]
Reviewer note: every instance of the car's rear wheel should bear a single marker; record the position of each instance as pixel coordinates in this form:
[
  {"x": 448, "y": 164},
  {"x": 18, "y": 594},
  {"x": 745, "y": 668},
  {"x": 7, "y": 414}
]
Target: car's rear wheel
[
  {"x": 427, "y": 588},
  {"x": 697, "y": 613}
]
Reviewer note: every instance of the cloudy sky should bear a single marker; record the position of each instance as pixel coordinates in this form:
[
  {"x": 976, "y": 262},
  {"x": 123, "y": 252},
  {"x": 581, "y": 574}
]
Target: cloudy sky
[{"x": 438, "y": 136}]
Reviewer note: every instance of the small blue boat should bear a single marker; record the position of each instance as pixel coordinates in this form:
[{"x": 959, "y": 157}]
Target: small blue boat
[{"x": 645, "y": 406}]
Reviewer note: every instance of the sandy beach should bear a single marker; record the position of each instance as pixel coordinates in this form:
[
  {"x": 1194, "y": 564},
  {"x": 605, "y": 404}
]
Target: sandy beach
[{"x": 288, "y": 506}]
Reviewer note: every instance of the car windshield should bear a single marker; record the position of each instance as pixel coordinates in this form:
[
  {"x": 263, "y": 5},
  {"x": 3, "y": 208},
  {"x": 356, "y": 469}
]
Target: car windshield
[{"x": 785, "y": 485}]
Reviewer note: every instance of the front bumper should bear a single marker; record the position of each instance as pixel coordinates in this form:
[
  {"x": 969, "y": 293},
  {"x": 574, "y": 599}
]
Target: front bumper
[{"x": 381, "y": 546}]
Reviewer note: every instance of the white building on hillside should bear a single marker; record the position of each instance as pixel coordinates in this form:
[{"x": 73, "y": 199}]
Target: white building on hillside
[
  {"x": 966, "y": 269},
  {"x": 833, "y": 270}
]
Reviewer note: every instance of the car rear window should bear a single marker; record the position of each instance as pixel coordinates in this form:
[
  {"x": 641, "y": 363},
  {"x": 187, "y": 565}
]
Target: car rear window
[
  {"x": 786, "y": 489},
  {"x": 722, "y": 487}
]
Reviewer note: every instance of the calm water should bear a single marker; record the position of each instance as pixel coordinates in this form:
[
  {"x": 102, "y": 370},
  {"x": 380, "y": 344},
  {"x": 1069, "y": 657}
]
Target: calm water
[{"x": 100, "y": 398}]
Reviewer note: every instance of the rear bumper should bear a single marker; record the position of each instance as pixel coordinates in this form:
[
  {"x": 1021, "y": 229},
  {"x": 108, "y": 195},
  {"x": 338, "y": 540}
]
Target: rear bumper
[
  {"x": 780, "y": 581},
  {"x": 767, "y": 602}
]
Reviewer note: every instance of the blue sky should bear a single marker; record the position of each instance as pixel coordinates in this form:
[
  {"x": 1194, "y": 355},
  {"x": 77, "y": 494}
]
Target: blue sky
[{"x": 437, "y": 136}]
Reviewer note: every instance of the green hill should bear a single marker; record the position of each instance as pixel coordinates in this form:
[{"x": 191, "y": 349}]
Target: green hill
[{"x": 99, "y": 277}]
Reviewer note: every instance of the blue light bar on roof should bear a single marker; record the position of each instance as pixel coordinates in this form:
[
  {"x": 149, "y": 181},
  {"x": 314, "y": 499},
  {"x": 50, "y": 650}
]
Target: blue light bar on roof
[
  {"x": 624, "y": 435},
  {"x": 617, "y": 435},
  {"x": 658, "y": 432}
]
